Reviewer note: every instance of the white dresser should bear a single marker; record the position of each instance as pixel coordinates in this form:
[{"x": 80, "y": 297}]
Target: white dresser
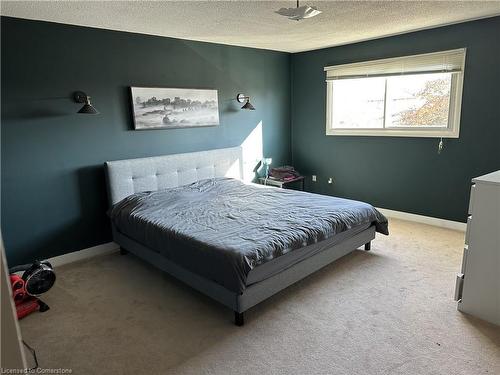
[{"x": 478, "y": 283}]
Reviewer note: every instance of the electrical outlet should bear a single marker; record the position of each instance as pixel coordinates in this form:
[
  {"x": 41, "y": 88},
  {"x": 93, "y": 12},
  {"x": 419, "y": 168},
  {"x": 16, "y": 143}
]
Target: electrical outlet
[
  {"x": 330, "y": 180},
  {"x": 313, "y": 178}
]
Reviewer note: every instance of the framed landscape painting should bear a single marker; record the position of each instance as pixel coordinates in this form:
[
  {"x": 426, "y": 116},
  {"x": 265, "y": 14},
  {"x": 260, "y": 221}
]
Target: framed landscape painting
[{"x": 169, "y": 108}]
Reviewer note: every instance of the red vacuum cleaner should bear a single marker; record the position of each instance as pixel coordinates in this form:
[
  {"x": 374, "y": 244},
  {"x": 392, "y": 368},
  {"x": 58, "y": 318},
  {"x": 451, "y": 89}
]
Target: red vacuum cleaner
[{"x": 36, "y": 279}]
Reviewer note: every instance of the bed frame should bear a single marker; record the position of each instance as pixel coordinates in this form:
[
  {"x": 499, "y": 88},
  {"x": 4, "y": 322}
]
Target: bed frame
[{"x": 126, "y": 177}]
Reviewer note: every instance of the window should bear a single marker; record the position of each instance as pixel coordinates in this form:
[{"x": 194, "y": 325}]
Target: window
[{"x": 413, "y": 96}]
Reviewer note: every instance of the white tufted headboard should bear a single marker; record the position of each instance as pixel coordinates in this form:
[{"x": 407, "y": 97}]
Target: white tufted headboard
[{"x": 126, "y": 177}]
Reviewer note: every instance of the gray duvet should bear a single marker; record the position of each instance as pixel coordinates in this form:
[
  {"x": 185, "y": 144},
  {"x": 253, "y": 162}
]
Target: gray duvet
[{"x": 223, "y": 228}]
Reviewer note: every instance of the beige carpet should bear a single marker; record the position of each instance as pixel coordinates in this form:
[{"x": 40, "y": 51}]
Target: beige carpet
[{"x": 387, "y": 311}]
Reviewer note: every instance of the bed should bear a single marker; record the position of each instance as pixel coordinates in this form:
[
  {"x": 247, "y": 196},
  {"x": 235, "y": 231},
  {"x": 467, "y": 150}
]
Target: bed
[{"x": 192, "y": 216}]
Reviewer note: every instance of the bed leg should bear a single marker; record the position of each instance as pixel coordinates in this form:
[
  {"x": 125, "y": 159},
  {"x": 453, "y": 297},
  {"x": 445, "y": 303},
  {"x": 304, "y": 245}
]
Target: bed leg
[
  {"x": 123, "y": 251},
  {"x": 368, "y": 246},
  {"x": 238, "y": 319}
]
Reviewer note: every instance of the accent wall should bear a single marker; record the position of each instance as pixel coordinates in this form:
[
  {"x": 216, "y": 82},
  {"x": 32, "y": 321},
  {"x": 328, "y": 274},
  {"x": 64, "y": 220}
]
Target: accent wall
[
  {"x": 53, "y": 190},
  {"x": 400, "y": 173}
]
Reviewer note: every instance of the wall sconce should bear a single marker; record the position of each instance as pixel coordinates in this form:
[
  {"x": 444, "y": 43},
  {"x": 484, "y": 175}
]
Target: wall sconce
[
  {"x": 241, "y": 98},
  {"x": 88, "y": 109}
]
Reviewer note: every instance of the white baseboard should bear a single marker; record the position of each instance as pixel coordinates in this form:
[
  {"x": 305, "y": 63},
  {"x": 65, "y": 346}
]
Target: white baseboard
[
  {"x": 103, "y": 249},
  {"x": 448, "y": 224}
]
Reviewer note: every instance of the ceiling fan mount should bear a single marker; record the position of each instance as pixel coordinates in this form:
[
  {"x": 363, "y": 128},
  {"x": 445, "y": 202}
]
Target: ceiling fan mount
[{"x": 299, "y": 13}]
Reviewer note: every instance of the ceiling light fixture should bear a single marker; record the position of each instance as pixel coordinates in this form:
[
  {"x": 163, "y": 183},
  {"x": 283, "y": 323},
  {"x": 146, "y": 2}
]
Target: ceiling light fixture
[{"x": 299, "y": 13}]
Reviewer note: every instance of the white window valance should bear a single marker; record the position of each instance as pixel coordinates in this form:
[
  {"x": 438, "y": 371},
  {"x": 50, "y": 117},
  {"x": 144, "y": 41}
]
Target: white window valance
[{"x": 437, "y": 62}]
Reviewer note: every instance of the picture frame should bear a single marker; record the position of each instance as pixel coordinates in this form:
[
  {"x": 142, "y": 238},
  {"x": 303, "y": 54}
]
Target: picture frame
[{"x": 173, "y": 108}]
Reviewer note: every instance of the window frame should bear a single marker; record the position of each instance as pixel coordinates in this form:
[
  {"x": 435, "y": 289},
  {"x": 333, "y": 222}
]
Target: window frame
[{"x": 455, "y": 106}]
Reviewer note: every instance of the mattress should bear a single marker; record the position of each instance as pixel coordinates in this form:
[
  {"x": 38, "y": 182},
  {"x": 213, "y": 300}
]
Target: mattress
[{"x": 224, "y": 229}]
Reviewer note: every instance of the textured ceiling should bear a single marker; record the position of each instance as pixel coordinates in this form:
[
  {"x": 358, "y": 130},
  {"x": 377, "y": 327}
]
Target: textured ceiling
[{"x": 254, "y": 23}]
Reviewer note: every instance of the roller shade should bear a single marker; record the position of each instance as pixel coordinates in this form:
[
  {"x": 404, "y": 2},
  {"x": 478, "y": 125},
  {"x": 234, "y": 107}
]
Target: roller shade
[{"x": 438, "y": 62}]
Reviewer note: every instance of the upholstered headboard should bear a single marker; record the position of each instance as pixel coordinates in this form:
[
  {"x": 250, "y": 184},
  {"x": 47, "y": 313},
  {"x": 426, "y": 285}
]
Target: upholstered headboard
[{"x": 126, "y": 177}]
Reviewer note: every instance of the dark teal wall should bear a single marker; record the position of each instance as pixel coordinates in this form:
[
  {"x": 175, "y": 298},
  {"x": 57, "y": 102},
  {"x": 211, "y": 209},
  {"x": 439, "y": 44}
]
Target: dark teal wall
[
  {"x": 404, "y": 174},
  {"x": 53, "y": 192}
]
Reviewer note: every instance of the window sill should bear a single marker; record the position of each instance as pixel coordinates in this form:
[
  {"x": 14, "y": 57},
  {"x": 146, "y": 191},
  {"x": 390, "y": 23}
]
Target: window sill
[{"x": 394, "y": 133}]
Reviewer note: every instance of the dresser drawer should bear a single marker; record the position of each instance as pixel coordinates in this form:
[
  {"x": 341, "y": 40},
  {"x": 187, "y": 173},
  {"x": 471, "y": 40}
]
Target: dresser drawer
[
  {"x": 464, "y": 259},
  {"x": 459, "y": 286},
  {"x": 467, "y": 230},
  {"x": 471, "y": 198}
]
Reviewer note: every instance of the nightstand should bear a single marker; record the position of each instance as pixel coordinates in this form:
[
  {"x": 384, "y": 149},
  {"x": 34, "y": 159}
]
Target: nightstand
[{"x": 281, "y": 183}]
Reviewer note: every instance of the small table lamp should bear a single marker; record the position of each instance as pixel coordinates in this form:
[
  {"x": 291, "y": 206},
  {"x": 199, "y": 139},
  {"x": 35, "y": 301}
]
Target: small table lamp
[{"x": 267, "y": 162}]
